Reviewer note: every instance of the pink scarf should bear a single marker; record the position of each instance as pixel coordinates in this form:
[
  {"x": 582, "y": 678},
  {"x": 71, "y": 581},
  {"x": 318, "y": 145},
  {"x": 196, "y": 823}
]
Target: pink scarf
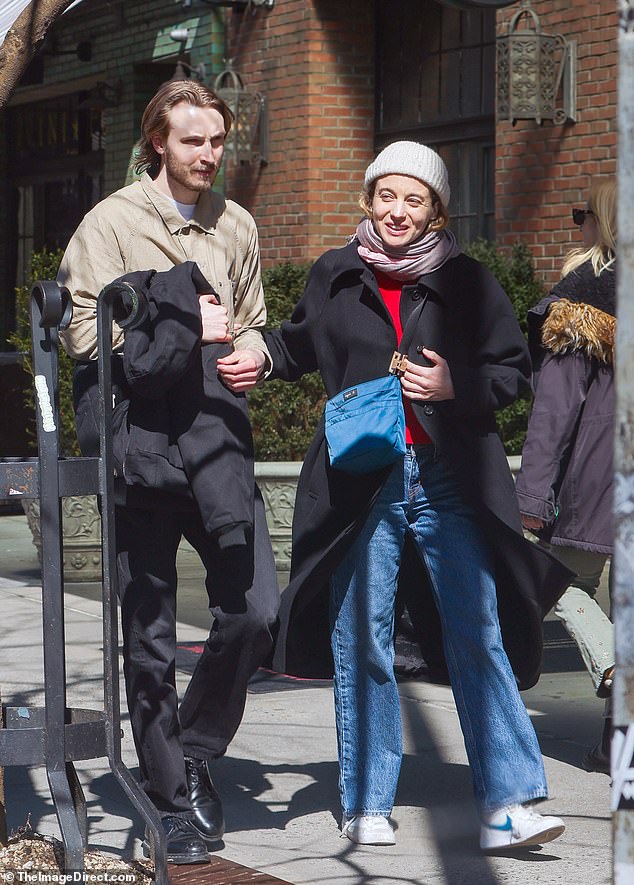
[{"x": 424, "y": 255}]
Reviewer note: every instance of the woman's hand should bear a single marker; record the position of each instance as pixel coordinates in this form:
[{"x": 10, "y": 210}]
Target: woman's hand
[
  {"x": 532, "y": 523},
  {"x": 429, "y": 383},
  {"x": 240, "y": 370}
]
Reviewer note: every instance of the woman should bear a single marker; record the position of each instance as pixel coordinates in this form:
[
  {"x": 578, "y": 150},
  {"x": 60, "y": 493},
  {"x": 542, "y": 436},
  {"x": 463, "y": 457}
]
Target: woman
[
  {"x": 445, "y": 498},
  {"x": 565, "y": 485}
]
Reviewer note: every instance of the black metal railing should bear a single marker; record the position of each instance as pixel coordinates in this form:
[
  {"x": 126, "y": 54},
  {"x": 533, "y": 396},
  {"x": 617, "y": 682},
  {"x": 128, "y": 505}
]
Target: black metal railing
[{"x": 54, "y": 735}]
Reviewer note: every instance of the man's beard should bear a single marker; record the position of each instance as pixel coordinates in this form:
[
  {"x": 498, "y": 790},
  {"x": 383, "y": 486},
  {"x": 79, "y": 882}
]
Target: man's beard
[{"x": 183, "y": 175}]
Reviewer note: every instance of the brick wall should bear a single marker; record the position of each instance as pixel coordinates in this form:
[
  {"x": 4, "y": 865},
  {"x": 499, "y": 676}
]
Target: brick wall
[
  {"x": 314, "y": 63},
  {"x": 544, "y": 170}
]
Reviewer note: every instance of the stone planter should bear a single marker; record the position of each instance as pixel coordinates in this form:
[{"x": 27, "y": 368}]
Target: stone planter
[
  {"x": 81, "y": 526},
  {"x": 277, "y": 481}
]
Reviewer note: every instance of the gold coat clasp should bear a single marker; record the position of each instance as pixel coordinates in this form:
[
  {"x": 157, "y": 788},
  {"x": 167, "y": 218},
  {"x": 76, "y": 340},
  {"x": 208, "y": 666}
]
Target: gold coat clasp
[{"x": 398, "y": 363}]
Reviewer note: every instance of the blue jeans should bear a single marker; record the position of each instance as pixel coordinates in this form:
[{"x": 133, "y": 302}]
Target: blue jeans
[{"x": 422, "y": 498}]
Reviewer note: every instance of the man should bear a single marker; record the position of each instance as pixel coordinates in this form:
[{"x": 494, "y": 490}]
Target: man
[{"x": 170, "y": 228}]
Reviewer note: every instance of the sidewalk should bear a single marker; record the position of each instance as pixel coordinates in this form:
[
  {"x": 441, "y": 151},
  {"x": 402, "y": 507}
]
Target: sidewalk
[{"x": 279, "y": 780}]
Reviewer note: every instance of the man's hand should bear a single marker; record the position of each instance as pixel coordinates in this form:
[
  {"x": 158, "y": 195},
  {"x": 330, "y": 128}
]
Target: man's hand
[
  {"x": 532, "y": 523},
  {"x": 240, "y": 370},
  {"x": 215, "y": 320},
  {"x": 429, "y": 383}
]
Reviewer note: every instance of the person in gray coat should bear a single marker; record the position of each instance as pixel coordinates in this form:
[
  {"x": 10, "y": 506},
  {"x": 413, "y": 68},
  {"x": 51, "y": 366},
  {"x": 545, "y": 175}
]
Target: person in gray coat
[{"x": 564, "y": 486}]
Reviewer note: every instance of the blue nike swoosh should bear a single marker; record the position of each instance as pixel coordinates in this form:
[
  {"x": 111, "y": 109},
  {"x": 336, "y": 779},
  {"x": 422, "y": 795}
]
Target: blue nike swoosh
[{"x": 505, "y": 826}]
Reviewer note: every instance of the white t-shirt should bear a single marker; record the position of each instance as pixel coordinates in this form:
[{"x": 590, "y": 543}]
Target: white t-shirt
[{"x": 186, "y": 209}]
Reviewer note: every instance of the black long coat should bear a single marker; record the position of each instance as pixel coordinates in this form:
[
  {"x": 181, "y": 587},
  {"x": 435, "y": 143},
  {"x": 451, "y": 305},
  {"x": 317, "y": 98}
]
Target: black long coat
[{"x": 342, "y": 328}]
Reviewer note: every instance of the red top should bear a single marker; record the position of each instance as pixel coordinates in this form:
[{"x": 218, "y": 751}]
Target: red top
[{"x": 391, "y": 291}]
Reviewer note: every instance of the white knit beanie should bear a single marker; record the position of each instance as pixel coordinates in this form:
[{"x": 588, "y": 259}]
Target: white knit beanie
[{"x": 411, "y": 158}]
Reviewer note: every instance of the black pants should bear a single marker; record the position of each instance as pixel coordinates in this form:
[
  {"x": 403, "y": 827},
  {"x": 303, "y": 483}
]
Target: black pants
[{"x": 243, "y": 599}]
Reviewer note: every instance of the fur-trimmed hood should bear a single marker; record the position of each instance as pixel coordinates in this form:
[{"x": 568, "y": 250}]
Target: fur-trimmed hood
[{"x": 573, "y": 326}]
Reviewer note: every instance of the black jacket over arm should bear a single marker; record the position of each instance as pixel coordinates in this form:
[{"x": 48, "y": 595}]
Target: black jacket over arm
[{"x": 178, "y": 431}]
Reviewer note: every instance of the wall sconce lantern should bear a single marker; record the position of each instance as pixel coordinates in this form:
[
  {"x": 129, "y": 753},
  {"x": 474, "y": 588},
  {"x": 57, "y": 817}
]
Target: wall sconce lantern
[
  {"x": 183, "y": 70},
  {"x": 247, "y": 139},
  {"x": 533, "y": 69}
]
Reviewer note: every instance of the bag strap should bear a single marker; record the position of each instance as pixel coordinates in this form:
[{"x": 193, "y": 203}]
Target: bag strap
[{"x": 397, "y": 363}]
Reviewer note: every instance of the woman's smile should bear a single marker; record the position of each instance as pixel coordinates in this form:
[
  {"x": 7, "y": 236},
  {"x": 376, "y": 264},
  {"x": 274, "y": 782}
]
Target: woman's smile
[{"x": 402, "y": 209}]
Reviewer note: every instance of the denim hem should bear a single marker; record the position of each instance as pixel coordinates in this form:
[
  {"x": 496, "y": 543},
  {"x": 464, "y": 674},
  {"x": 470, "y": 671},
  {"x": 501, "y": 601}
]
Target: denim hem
[
  {"x": 373, "y": 813},
  {"x": 539, "y": 794}
]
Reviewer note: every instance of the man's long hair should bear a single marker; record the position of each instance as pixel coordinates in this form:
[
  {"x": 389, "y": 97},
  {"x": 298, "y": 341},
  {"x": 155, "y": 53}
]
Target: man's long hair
[{"x": 155, "y": 119}]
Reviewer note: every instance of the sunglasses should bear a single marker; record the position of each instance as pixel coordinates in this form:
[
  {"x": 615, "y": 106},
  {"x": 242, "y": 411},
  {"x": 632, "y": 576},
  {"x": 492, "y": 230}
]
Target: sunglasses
[{"x": 579, "y": 215}]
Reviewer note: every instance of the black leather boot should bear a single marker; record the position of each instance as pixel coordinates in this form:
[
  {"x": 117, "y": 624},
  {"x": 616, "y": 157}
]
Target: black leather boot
[
  {"x": 184, "y": 842},
  {"x": 205, "y": 801}
]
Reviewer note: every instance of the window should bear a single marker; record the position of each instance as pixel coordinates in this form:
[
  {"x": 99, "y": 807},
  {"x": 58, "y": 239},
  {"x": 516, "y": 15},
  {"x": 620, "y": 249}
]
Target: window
[
  {"x": 436, "y": 85},
  {"x": 56, "y": 148},
  {"x": 54, "y": 129}
]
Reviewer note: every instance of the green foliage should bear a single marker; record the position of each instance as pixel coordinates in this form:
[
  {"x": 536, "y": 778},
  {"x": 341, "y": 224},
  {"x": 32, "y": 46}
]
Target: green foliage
[
  {"x": 516, "y": 275},
  {"x": 283, "y": 415},
  {"x": 44, "y": 266}
]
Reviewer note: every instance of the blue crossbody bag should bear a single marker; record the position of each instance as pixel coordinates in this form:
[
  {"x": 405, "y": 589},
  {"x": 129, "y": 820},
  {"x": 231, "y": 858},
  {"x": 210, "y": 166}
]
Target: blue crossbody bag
[{"x": 365, "y": 424}]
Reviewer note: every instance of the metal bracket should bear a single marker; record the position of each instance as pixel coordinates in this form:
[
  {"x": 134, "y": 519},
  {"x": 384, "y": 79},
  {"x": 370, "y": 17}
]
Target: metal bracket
[{"x": 56, "y": 735}]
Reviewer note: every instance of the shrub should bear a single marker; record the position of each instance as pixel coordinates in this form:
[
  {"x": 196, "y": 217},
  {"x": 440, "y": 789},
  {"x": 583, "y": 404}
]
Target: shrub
[{"x": 284, "y": 416}]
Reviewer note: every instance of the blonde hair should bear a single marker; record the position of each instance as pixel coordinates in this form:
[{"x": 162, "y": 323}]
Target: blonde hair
[
  {"x": 602, "y": 254},
  {"x": 442, "y": 218},
  {"x": 155, "y": 120}
]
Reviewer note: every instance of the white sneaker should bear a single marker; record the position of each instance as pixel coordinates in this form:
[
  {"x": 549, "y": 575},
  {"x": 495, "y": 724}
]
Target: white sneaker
[
  {"x": 518, "y": 825},
  {"x": 368, "y": 829}
]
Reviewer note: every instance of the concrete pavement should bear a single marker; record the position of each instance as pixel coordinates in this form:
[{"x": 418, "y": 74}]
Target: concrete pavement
[{"x": 279, "y": 779}]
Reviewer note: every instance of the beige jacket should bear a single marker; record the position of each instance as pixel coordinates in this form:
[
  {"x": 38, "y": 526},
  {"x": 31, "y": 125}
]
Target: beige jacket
[{"x": 139, "y": 228}]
